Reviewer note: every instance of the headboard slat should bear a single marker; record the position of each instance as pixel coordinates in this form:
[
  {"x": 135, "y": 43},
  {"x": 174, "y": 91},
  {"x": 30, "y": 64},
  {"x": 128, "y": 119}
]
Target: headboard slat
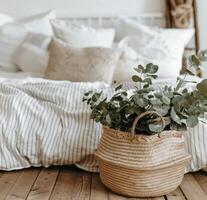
[{"x": 152, "y": 19}]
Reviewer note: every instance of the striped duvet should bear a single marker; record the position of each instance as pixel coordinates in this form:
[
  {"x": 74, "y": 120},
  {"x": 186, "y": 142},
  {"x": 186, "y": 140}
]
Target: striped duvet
[{"x": 45, "y": 123}]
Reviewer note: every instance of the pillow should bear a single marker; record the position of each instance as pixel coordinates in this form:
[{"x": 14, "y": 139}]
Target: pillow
[
  {"x": 39, "y": 23},
  {"x": 14, "y": 33},
  {"x": 78, "y": 35},
  {"x": 32, "y": 55},
  {"x": 126, "y": 63},
  {"x": 4, "y": 19},
  {"x": 11, "y": 36},
  {"x": 164, "y": 47},
  {"x": 126, "y": 27},
  {"x": 81, "y": 64}
]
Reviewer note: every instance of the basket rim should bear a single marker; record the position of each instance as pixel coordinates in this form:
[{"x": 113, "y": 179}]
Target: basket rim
[
  {"x": 142, "y": 137},
  {"x": 177, "y": 161}
]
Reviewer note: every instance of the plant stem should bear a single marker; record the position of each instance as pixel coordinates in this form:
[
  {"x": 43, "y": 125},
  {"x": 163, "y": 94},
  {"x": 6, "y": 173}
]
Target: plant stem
[{"x": 180, "y": 83}]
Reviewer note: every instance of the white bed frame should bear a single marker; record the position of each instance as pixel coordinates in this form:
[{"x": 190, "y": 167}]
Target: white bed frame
[{"x": 100, "y": 21}]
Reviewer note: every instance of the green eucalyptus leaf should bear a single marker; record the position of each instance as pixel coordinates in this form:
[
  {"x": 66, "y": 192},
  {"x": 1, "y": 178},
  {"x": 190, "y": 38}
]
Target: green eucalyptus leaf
[
  {"x": 140, "y": 67},
  {"x": 151, "y": 69},
  {"x": 194, "y": 61},
  {"x": 166, "y": 100},
  {"x": 136, "y": 78},
  {"x": 142, "y": 102},
  {"x": 175, "y": 117},
  {"x": 192, "y": 121},
  {"x": 138, "y": 70},
  {"x": 203, "y": 56},
  {"x": 148, "y": 81},
  {"x": 124, "y": 93},
  {"x": 88, "y": 93},
  {"x": 153, "y": 76},
  {"x": 156, "y": 128},
  {"x": 108, "y": 119},
  {"x": 179, "y": 84},
  {"x": 185, "y": 90},
  {"x": 158, "y": 95},
  {"x": 183, "y": 121},
  {"x": 162, "y": 109},
  {"x": 168, "y": 93},
  {"x": 156, "y": 102},
  {"x": 96, "y": 96},
  {"x": 202, "y": 88},
  {"x": 118, "y": 87}
]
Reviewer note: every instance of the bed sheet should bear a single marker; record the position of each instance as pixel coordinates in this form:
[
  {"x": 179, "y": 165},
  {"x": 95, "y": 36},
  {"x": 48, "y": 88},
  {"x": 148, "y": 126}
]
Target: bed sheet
[{"x": 19, "y": 75}]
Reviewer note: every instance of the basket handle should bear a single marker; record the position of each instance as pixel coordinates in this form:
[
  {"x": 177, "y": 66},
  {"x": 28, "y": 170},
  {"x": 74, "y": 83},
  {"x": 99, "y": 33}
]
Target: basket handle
[{"x": 144, "y": 114}]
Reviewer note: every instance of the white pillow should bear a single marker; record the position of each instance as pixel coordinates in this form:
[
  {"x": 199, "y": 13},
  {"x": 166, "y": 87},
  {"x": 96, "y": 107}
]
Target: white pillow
[
  {"x": 126, "y": 63},
  {"x": 81, "y": 64},
  {"x": 78, "y": 35},
  {"x": 11, "y": 36},
  {"x": 164, "y": 47},
  {"x": 4, "y": 19},
  {"x": 32, "y": 55},
  {"x": 14, "y": 33},
  {"x": 126, "y": 27},
  {"x": 39, "y": 23}
]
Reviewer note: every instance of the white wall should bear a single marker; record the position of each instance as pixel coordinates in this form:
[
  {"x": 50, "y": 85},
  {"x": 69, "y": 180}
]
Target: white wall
[
  {"x": 66, "y": 8},
  {"x": 202, "y": 8}
]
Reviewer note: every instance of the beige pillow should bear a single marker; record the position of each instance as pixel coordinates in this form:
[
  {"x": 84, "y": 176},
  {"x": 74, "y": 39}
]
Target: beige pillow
[{"x": 81, "y": 64}]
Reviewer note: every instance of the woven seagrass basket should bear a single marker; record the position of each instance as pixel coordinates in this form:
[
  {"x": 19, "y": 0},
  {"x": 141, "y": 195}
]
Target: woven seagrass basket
[{"x": 140, "y": 165}]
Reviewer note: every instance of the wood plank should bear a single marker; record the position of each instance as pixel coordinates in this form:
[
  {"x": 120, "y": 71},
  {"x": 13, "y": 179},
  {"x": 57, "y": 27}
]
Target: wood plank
[
  {"x": 113, "y": 196},
  {"x": 201, "y": 177},
  {"x": 98, "y": 190},
  {"x": 72, "y": 185},
  {"x": 1, "y": 173},
  {"x": 7, "y": 181},
  {"x": 44, "y": 184},
  {"x": 23, "y": 184},
  {"x": 176, "y": 195},
  {"x": 192, "y": 189}
]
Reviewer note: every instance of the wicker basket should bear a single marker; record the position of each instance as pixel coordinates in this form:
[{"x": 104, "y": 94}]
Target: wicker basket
[{"x": 140, "y": 165}]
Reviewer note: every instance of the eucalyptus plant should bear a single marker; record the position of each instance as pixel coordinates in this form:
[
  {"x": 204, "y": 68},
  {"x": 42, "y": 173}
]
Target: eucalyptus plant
[{"x": 179, "y": 107}]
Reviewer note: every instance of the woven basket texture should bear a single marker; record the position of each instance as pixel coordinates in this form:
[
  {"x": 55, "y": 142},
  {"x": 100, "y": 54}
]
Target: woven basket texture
[{"x": 140, "y": 165}]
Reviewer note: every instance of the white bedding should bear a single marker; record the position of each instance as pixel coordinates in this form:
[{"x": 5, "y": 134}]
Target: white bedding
[
  {"x": 19, "y": 75},
  {"x": 45, "y": 123}
]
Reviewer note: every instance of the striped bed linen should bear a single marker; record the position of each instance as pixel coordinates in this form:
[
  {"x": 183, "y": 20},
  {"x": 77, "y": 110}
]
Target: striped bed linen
[{"x": 45, "y": 123}]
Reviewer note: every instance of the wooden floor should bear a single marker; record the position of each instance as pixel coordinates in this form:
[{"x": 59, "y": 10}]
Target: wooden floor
[{"x": 69, "y": 183}]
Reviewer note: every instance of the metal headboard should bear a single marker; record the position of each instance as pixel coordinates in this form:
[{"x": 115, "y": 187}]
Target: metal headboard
[{"x": 153, "y": 19}]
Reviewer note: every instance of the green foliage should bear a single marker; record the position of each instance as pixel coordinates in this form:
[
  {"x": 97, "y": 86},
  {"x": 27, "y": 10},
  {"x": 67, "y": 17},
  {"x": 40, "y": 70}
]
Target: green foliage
[{"x": 179, "y": 107}]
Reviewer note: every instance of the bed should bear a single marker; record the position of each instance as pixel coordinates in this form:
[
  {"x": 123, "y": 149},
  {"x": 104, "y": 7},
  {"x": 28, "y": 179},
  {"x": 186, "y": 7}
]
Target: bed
[{"x": 44, "y": 122}]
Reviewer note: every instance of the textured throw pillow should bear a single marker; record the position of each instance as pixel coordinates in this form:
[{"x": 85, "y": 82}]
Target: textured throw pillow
[
  {"x": 82, "y": 36},
  {"x": 32, "y": 55},
  {"x": 13, "y": 34},
  {"x": 164, "y": 47},
  {"x": 81, "y": 64}
]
